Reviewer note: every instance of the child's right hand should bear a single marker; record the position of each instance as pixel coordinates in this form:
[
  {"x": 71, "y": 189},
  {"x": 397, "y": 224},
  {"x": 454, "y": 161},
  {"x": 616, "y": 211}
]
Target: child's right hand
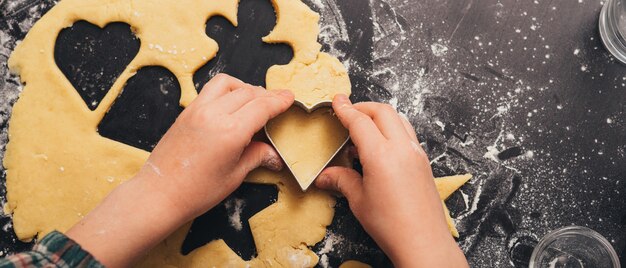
[{"x": 395, "y": 200}]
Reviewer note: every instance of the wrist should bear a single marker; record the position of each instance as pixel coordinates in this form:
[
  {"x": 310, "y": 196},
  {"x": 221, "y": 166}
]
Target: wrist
[
  {"x": 126, "y": 215},
  {"x": 163, "y": 197}
]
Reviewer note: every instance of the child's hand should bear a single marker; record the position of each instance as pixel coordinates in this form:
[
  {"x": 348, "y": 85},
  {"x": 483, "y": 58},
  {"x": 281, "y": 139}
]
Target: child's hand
[
  {"x": 201, "y": 159},
  {"x": 208, "y": 151},
  {"x": 396, "y": 200}
]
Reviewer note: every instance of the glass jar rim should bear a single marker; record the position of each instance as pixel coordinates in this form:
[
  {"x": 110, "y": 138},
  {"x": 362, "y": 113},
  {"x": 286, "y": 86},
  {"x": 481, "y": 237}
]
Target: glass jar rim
[{"x": 573, "y": 230}]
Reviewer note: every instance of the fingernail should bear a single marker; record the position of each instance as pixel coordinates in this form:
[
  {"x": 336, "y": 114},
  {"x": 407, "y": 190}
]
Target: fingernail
[
  {"x": 342, "y": 98},
  {"x": 273, "y": 162},
  {"x": 321, "y": 179},
  {"x": 322, "y": 183}
]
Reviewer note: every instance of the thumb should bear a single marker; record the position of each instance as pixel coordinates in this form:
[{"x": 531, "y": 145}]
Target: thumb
[
  {"x": 344, "y": 180},
  {"x": 259, "y": 154}
]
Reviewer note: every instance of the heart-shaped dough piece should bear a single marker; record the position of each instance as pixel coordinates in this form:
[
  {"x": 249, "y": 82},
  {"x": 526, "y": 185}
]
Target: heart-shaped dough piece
[{"x": 306, "y": 141}]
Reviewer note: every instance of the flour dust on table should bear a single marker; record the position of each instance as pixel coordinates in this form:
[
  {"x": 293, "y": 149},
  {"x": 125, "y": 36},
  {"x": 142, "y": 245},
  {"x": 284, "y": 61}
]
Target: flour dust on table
[
  {"x": 519, "y": 94},
  {"x": 18, "y": 17}
]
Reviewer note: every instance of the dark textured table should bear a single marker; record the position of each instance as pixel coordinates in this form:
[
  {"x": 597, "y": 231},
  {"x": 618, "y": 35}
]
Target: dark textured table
[{"x": 521, "y": 94}]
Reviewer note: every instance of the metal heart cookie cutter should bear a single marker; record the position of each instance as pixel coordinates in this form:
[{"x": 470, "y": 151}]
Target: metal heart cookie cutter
[{"x": 309, "y": 110}]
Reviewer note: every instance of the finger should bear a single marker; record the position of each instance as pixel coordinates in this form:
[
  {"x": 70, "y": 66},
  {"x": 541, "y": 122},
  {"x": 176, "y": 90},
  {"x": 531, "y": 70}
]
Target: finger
[
  {"x": 363, "y": 131},
  {"x": 218, "y": 86},
  {"x": 258, "y": 111},
  {"x": 343, "y": 180},
  {"x": 233, "y": 101},
  {"x": 408, "y": 127},
  {"x": 258, "y": 154},
  {"x": 386, "y": 119}
]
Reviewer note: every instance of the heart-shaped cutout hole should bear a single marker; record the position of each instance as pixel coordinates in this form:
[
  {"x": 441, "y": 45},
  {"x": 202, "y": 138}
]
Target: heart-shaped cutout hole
[
  {"x": 307, "y": 142},
  {"x": 92, "y": 58}
]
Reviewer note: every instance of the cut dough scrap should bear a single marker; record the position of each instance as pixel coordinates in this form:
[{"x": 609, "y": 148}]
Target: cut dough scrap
[
  {"x": 312, "y": 83},
  {"x": 306, "y": 141},
  {"x": 449, "y": 220},
  {"x": 446, "y": 186}
]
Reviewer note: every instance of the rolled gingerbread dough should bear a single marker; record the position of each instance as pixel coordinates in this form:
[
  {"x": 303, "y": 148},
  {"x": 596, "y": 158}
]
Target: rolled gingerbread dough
[{"x": 59, "y": 167}]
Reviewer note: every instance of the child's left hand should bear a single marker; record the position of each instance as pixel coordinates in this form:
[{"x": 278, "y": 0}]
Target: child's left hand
[{"x": 201, "y": 159}]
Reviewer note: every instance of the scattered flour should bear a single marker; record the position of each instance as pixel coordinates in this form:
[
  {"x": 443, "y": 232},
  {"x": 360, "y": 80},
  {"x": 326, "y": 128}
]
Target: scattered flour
[
  {"x": 333, "y": 29},
  {"x": 323, "y": 261},
  {"x": 439, "y": 50},
  {"x": 299, "y": 259},
  {"x": 233, "y": 208},
  {"x": 329, "y": 242},
  {"x": 154, "y": 168}
]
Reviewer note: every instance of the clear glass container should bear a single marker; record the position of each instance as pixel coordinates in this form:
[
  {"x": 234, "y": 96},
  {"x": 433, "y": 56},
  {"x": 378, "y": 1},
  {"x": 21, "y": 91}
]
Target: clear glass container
[
  {"x": 613, "y": 28},
  {"x": 574, "y": 247}
]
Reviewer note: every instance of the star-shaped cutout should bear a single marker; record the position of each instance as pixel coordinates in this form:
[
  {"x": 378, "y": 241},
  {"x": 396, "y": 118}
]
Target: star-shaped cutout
[
  {"x": 229, "y": 220},
  {"x": 446, "y": 186}
]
